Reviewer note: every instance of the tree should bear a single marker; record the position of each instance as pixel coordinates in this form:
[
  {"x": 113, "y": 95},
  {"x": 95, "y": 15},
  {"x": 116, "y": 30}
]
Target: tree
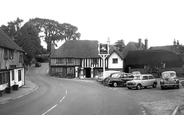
[
  {"x": 28, "y": 39},
  {"x": 120, "y": 45},
  {"x": 54, "y": 31},
  {"x": 12, "y": 28}
]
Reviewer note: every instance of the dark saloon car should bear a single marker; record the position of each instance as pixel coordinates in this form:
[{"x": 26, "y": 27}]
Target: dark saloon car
[
  {"x": 119, "y": 79},
  {"x": 37, "y": 64},
  {"x": 169, "y": 79}
]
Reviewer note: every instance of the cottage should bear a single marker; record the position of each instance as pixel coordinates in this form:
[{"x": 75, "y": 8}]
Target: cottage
[
  {"x": 78, "y": 58},
  {"x": 11, "y": 63}
]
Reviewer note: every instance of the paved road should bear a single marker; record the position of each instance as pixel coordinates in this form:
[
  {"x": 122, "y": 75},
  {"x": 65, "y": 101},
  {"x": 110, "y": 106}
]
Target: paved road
[{"x": 57, "y": 96}]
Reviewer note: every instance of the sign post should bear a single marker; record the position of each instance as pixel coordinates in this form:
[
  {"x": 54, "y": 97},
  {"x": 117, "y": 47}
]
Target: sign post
[{"x": 103, "y": 50}]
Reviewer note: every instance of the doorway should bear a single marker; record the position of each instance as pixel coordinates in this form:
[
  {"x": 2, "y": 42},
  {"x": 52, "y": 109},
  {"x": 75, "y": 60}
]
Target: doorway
[{"x": 88, "y": 72}]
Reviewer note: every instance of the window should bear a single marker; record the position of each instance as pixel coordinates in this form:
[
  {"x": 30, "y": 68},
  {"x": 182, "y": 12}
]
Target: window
[
  {"x": 4, "y": 78},
  {"x": 114, "y": 60},
  {"x": 5, "y": 54},
  {"x": 11, "y": 56},
  {"x": 13, "y": 75},
  {"x": 59, "y": 61},
  {"x": 69, "y": 61},
  {"x": 20, "y": 58},
  {"x": 19, "y": 75},
  {"x": 150, "y": 77},
  {"x": 144, "y": 77}
]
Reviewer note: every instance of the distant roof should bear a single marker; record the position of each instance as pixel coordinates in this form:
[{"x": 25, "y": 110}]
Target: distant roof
[
  {"x": 80, "y": 49},
  {"x": 150, "y": 56},
  {"x": 168, "y": 48},
  {"x": 7, "y": 42},
  {"x": 131, "y": 46}
]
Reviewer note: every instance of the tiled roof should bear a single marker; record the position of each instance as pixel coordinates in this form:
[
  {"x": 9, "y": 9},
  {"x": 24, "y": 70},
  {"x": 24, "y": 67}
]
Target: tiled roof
[
  {"x": 168, "y": 48},
  {"x": 7, "y": 42},
  {"x": 79, "y": 49},
  {"x": 131, "y": 46}
]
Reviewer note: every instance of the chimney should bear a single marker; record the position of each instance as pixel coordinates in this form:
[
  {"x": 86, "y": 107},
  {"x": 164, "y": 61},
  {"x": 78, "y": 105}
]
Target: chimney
[
  {"x": 174, "y": 43},
  {"x": 146, "y": 44},
  {"x": 52, "y": 47},
  {"x": 140, "y": 44},
  {"x": 178, "y": 43}
]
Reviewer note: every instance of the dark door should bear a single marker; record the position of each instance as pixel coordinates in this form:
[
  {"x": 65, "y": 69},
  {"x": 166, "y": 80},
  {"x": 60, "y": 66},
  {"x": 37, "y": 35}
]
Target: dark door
[{"x": 88, "y": 72}]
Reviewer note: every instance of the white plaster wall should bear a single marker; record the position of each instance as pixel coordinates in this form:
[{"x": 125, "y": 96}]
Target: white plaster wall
[{"x": 116, "y": 65}]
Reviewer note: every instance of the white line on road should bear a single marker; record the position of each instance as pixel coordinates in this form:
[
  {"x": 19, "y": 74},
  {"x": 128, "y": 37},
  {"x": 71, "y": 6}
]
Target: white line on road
[
  {"x": 62, "y": 99},
  {"x": 49, "y": 109},
  {"x": 65, "y": 91}
]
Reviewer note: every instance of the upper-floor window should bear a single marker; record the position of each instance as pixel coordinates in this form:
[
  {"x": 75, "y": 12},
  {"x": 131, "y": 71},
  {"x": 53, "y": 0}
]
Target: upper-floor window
[
  {"x": 5, "y": 53},
  {"x": 59, "y": 61},
  {"x": 115, "y": 60},
  {"x": 11, "y": 55},
  {"x": 69, "y": 61},
  {"x": 21, "y": 58}
]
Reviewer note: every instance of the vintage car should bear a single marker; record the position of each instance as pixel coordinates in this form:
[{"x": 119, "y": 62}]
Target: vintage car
[
  {"x": 142, "y": 80},
  {"x": 101, "y": 78},
  {"x": 169, "y": 79},
  {"x": 119, "y": 79}
]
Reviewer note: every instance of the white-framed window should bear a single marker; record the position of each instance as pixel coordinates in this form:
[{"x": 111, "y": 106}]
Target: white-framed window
[{"x": 115, "y": 60}]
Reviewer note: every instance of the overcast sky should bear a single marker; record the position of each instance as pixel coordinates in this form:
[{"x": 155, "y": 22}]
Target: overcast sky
[{"x": 160, "y": 21}]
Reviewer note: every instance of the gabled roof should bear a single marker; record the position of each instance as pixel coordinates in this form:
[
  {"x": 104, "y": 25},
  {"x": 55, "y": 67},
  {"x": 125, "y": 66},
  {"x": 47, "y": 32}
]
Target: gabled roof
[
  {"x": 131, "y": 46},
  {"x": 7, "y": 42},
  {"x": 80, "y": 49}
]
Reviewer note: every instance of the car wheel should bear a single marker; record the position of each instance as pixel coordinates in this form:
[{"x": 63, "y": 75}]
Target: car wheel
[
  {"x": 178, "y": 86},
  {"x": 162, "y": 87},
  {"x": 154, "y": 85},
  {"x": 129, "y": 88},
  {"x": 115, "y": 84},
  {"x": 138, "y": 87}
]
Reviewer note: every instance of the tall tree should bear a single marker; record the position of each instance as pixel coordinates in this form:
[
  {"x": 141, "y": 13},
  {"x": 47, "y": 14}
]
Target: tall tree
[
  {"x": 120, "y": 44},
  {"x": 54, "y": 31},
  {"x": 12, "y": 28}
]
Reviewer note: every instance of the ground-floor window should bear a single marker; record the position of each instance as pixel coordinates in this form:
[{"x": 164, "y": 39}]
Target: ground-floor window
[
  {"x": 19, "y": 75},
  {"x": 4, "y": 77}
]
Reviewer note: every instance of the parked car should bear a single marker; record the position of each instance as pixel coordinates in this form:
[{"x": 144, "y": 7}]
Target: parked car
[
  {"x": 119, "y": 79},
  {"x": 101, "y": 78},
  {"x": 37, "y": 64},
  {"x": 169, "y": 79},
  {"x": 143, "y": 80}
]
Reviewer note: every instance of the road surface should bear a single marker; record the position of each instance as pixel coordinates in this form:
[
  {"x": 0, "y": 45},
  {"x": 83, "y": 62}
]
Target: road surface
[{"x": 57, "y": 96}]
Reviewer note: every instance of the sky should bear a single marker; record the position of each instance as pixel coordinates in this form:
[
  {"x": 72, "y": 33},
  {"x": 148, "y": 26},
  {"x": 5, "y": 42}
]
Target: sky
[{"x": 159, "y": 21}]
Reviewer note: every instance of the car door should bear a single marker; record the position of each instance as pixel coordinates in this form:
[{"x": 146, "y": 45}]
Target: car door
[
  {"x": 145, "y": 81},
  {"x": 151, "y": 80}
]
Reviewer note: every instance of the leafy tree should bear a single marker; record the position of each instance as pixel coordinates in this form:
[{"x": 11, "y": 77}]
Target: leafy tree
[
  {"x": 54, "y": 31},
  {"x": 12, "y": 28},
  {"x": 120, "y": 45}
]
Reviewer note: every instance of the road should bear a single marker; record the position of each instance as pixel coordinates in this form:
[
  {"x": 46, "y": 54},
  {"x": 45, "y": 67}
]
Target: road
[{"x": 56, "y": 96}]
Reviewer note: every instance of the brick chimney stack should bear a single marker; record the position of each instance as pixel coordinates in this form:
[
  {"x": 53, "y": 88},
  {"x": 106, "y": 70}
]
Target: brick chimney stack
[
  {"x": 146, "y": 44},
  {"x": 140, "y": 44}
]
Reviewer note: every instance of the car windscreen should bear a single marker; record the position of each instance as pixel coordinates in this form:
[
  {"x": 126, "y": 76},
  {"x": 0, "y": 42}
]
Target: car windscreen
[
  {"x": 168, "y": 75},
  {"x": 115, "y": 75},
  {"x": 137, "y": 77}
]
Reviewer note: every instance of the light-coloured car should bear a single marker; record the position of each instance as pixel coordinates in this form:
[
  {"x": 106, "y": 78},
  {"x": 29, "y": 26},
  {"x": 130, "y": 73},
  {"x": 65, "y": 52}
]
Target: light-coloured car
[
  {"x": 100, "y": 77},
  {"x": 169, "y": 79},
  {"x": 143, "y": 80}
]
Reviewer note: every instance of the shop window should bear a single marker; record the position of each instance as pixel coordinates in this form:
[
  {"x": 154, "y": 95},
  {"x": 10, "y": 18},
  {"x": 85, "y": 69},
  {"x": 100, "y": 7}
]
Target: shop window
[
  {"x": 3, "y": 78},
  {"x": 13, "y": 75},
  {"x": 19, "y": 75}
]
